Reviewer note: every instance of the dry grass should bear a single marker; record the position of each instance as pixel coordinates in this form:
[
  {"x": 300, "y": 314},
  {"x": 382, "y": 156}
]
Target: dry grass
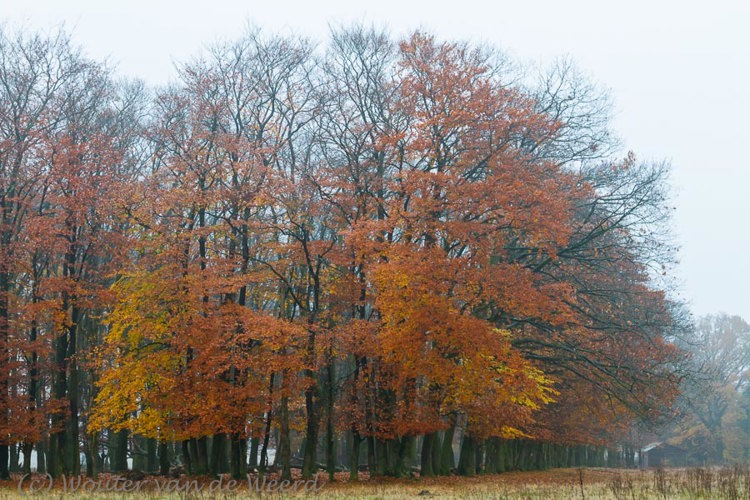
[{"x": 619, "y": 484}]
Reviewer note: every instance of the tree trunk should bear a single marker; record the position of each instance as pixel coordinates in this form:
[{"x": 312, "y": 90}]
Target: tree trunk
[
  {"x": 467, "y": 465},
  {"x": 14, "y": 458},
  {"x": 447, "y": 459},
  {"x": 119, "y": 451},
  {"x": 5, "y": 283},
  {"x": 33, "y": 379},
  {"x": 285, "y": 447},
  {"x": 406, "y": 454},
  {"x": 479, "y": 460},
  {"x": 393, "y": 447},
  {"x": 41, "y": 456},
  {"x": 151, "y": 465},
  {"x": 163, "y": 458},
  {"x": 372, "y": 456},
  {"x": 267, "y": 432},
  {"x": 254, "y": 445},
  {"x": 500, "y": 450},
  {"x": 57, "y": 434},
  {"x": 310, "y": 458},
  {"x": 139, "y": 457},
  {"x": 27, "y": 449},
  {"x": 427, "y": 451},
  {"x": 201, "y": 447},
  {"x": 187, "y": 454},
  {"x": 354, "y": 457},
  {"x": 73, "y": 454},
  {"x": 381, "y": 457},
  {"x": 218, "y": 463},
  {"x": 89, "y": 451},
  {"x": 330, "y": 430},
  {"x": 236, "y": 458}
]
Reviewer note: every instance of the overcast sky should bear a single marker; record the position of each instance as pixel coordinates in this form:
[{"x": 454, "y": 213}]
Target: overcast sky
[{"x": 679, "y": 73}]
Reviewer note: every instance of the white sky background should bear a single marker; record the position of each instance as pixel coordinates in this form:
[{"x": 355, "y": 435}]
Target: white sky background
[{"x": 679, "y": 73}]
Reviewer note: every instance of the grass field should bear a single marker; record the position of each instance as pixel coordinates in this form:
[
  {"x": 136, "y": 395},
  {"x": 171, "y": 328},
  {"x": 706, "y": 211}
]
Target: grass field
[{"x": 698, "y": 483}]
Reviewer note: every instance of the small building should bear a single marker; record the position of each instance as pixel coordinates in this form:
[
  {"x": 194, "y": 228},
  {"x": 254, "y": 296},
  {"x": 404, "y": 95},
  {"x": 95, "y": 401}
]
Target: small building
[{"x": 661, "y": 454}]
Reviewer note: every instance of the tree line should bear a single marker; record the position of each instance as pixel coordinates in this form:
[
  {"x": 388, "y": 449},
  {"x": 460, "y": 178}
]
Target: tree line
[{"x": 399, "y": 254}]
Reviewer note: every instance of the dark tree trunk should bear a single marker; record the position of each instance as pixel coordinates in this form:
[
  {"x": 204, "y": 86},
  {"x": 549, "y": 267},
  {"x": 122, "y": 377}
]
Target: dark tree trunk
[
  {"x": 90, "y": 451},
  {"x": 163, "y": 458},
  {"x": 354, "y": 457},
  {"x": 42, "y": 456},
  {"x": 447, "y": 458},
  {"x": 151, "y": 465},
  {"x": 14, "y": 458},
  {"x": 119, "y": 451},
  {"x": 236, "y": 458},
  {"x": 393, "y": 447},
  {"x": 381, "y": 457},
  {"x": 201, "y": 446},
  {"x": 285, "y": 446},
  {"x": 187, "y": 456},
  {"x": 5, "y": 282},
  {"x": 139, "y": 457},
  {"x": 218, "y": 463},
  {"x": 330, "y": 430},
  {"x": 57, "y": 435},
  {"x": 427, "y": 451},
  {"x": 406, "y": 454},
  {"x": 372, "y": 456},
  {"x": 467, "y": 465},
  {"x": 310, "y": 458}
]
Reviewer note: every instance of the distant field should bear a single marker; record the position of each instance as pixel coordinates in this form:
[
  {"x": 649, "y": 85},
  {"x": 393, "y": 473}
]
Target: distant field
[{"x": 708, "y": 483}]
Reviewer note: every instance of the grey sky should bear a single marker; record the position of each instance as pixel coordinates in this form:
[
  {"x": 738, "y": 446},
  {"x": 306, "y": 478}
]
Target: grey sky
[{"x": 678, "y": 72}]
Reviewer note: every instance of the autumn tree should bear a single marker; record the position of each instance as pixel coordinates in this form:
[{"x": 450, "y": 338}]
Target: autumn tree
[
  {"x": 221, "y": 205},
  {"x": 432, "y": 184},
  {"x": 356, "y": 98},
  {"x": 44, "y": 80}
]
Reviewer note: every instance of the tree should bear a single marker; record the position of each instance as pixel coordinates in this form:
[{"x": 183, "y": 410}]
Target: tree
[
  {"x": 720, "y": 348},
  {"x": 42, "y": 80}
]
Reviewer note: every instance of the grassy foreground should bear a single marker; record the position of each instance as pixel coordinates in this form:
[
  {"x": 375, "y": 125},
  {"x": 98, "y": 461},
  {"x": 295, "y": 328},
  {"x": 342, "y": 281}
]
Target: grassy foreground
[{"x": 699, "y": 483}]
